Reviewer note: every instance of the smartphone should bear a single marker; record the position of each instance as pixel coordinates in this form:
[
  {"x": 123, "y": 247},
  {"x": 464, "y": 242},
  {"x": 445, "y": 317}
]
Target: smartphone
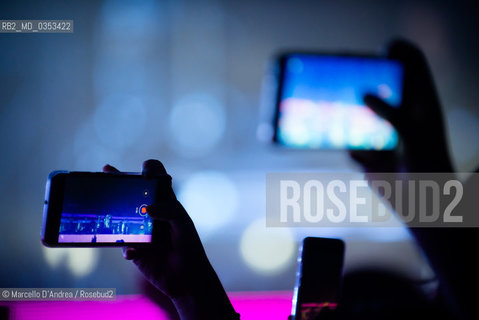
[
  {"x": 318, "y": 279},
  {"x": 319, "y": 101},
  {"x": 94, "y": 209}
]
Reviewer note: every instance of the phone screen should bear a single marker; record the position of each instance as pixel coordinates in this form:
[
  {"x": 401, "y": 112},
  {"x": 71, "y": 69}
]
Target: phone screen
[
  {"x": 318, "y": 278},
  {"x": 320, "y": 103},
  {"x": 106, "y": 208}
]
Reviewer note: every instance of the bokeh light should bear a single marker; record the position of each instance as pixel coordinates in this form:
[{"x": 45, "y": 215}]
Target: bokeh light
[
  {"x": 82, "y": 261},
  {"x": 197, "y": 123},
  {"x": 79, "y": 261},
  {"x": 267, "y": 250},
  {"x": 211, "y": 199}
]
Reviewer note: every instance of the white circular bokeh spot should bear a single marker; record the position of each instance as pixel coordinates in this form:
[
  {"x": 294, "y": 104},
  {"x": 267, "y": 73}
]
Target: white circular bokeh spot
[
  {"x": 119, "y": 121},
  {"x": 210, "y": 198},
  {"x": 267, "y": 250},
  {"x": 80, "y": 261},
  {"x": 54, "y": 256},
  {"x": 197, "y": 123}
]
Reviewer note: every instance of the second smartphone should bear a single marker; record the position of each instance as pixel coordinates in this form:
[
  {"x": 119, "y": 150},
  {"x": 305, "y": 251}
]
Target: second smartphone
[
  {"x": 318, "y": 279},
  {"x": 319, "y": 101}
]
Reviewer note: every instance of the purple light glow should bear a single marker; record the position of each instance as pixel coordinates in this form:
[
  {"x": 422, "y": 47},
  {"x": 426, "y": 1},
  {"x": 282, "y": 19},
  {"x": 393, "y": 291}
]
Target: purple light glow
[
  {"x": 262, "y": 304},
  {"x": 251, "y": 306},
  {"x": 108, "y": 238},
  {"x": 125, "y": 307}
]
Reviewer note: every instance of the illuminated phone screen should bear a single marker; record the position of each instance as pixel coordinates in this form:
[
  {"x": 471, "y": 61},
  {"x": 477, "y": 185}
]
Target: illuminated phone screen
[
  {"x": 106, "y": 209},
  {"x": 321, "y": 102},
  {"x": 319, "y": 275}
]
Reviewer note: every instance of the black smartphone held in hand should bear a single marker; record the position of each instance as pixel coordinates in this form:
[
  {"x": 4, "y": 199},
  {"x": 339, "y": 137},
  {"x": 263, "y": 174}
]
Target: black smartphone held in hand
[
  {"x": 319, "y": 101},
  {"x": 318, "y": 279},
  {"x": 95, "y": 209}
]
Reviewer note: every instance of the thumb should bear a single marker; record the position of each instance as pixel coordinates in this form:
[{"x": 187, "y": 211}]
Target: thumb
[
  {"x": 182, "y": 227},
  {"x": 383, "y": 109}
]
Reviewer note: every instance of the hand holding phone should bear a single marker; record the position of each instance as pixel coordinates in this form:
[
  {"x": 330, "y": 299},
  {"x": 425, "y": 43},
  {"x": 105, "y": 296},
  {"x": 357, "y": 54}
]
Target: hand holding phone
[
  {"x": 174, "y": 261},
  {"x": 97, "y": 209},
  {"x": 319, "y": 101},
  {"x": 419, "y": 121}
]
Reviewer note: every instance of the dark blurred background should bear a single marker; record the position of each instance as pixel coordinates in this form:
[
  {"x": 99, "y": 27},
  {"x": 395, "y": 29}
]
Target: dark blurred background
[{"x": 180, "y": 81}]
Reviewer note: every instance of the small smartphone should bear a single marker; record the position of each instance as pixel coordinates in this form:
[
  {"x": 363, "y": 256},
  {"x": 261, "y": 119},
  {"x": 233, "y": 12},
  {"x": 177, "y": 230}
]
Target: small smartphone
[
  {"x": 319, "y": 101},
  {"x": 95, "y": 209},
  {"x": 318, "y": 279}
]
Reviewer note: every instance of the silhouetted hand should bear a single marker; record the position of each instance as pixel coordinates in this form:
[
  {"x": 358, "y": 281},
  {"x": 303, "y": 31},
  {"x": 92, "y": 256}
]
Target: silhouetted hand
[
  {"x": 418, "y": 120},
  {"x": 176, "y": 262}
]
